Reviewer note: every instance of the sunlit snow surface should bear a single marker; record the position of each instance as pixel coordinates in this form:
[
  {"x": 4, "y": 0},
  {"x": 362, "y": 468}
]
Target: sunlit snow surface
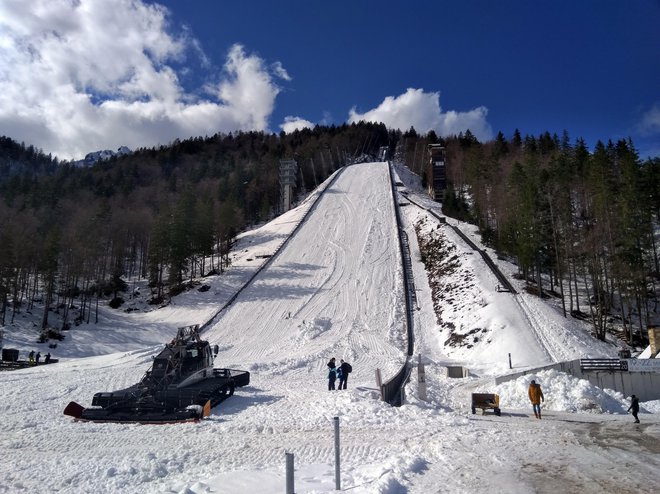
[{"x": 334, "y": 290}]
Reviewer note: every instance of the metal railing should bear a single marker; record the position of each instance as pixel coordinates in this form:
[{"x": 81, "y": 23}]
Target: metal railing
[
  {"x": 270, "y": 259},
  {"x": 393, "y": 390},
  {"x": 603, "y": 364},
  {"x": 505, "y": 284}
]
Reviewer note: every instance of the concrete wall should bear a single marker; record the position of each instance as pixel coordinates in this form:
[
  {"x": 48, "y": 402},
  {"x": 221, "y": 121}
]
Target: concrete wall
[
  {"x": 457, "y": 371},
  {"x": 644, "y": 384}
]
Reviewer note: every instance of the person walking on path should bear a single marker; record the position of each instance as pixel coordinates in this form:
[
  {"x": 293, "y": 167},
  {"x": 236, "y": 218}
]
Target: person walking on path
[
  {"x": 345, "y": 369},
  {"x": 634, "y": 406},
  {"x": 536, "y": 397},
  {"x": 332, "y": 374},
  {"x": 47, "y": 359},
  {"x": 38, "y": 357},
  {"x": 31, "y": 356}
]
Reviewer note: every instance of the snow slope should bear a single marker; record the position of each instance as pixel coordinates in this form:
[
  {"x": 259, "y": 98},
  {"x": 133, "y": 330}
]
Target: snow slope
[{"x": 333, "y": 290}]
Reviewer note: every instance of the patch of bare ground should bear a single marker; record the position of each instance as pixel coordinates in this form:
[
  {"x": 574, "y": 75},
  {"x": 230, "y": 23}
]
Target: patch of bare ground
[{"x": 441, "y": 261}]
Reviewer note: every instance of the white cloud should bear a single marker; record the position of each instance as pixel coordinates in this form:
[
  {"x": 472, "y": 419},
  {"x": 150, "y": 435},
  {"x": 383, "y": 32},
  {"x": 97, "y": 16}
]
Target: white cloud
[
  {"x": 422, "y": 111},
  {"x": 281, "y": 72},
  {"x": 295, "y": 123},
  {"x": 650, "y": 123},
  {"x": 82, "y": 75}
]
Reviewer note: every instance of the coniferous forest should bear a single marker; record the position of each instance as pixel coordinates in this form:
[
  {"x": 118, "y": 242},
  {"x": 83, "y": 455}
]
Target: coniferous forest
[{"x": 572, "y": 218}]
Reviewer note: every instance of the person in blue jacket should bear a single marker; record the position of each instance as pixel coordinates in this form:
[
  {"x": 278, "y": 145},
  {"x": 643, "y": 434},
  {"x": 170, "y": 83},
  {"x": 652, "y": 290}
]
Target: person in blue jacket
[
  {"x": 332, "y": 374},
  {"x": 340, "y": 376}
]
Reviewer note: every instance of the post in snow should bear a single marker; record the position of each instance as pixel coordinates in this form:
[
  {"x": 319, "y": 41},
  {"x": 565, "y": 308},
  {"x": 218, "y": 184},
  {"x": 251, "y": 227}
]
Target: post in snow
[
  {"x": 379, "y": 383},
  {"x": 289, "y": 473},
  {"x": 421, "y": 379},
  {"x": 337, "y": 470}
]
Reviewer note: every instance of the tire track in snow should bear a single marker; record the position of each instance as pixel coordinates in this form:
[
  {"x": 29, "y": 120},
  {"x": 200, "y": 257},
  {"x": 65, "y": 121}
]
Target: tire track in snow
[{"x": 548, "y": 344}]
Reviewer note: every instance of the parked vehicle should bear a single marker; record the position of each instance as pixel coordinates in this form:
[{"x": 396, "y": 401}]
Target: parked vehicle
[{"x": 181, "y": 386}]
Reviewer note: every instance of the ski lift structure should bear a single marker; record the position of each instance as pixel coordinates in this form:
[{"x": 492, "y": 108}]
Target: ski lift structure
[{"x": 436, "y": 172}]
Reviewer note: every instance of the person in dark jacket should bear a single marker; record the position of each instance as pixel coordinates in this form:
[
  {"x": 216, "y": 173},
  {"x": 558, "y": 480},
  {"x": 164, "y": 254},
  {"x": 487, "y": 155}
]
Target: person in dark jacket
[
  {"x": 339, "y": 376},
  {"x": 634, "y": 406},
  {"x": 332, "y": 374},
  {"x": 345, "y": 369}
]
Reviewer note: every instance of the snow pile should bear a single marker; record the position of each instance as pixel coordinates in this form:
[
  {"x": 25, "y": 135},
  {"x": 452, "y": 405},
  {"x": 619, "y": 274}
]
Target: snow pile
[
  {"x": 563, "y": 393},
  {"x": 650, "y": 406},
  {"x": 647, "y": 353}
]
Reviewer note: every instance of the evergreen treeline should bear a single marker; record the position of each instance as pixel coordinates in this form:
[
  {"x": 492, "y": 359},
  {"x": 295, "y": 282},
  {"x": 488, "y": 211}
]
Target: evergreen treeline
[
  {"x": 580, "y": 218},
  {"x": 168, "y": 213},
  {"x": 568, "y": 216}
]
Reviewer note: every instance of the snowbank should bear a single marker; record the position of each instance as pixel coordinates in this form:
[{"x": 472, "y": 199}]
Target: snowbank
[{"x": 563, "y": 393}]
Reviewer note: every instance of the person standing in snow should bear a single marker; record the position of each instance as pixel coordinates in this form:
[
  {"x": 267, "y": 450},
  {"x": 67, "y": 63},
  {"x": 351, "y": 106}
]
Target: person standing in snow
[
  {"x": 634, "y": 406},
  {"x": 345, "y": 369},
  {"x": 339, "y": 376},
  {"x": 536, "y": 397},
  {"x": 38, "y": 357},
  {"x": 47, "y": 359},
  {"x": 332, "y": 374},
  {"x": 31, "y": 356}
]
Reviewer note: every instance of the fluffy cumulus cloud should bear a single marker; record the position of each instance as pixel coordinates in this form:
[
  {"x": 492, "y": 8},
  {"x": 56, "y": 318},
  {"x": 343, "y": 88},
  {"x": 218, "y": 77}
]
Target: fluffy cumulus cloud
[
  {"x": 82, "y": 75},
  {"x": 295, "y": 123},
  {"x": 421, "y": 110}
]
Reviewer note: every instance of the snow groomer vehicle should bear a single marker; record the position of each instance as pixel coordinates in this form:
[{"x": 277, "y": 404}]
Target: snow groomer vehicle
[{"x": 181, "y": 386}]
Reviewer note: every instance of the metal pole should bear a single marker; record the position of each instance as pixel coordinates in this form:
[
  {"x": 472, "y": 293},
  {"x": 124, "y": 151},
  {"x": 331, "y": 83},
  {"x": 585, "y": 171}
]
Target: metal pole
[
  {"x": 379, "y": 383},
  {"x": 289, "y": 473},
  {"x": 421, "y": 379},
  {"x": 510, "y": 362},
  {"x": 337, "y": 475}
]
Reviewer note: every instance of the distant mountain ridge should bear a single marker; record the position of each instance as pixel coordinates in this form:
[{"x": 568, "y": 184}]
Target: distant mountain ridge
[{"x": 93, "y": 157}]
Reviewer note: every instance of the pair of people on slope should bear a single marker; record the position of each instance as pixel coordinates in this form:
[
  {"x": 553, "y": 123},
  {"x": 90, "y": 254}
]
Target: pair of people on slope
[
  {"x": 340, "y": 373},
  {"x": 31, "y": 357}
]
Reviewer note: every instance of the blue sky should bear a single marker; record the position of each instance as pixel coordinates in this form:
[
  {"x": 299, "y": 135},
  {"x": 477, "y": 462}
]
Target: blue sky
[{"x": 86, "y": 75}]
